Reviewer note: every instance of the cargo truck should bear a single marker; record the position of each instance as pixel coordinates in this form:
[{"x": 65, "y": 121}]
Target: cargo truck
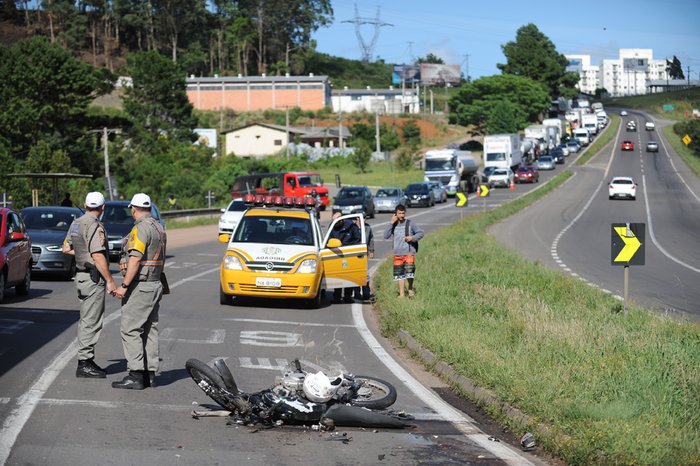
[
  {"x": 590, "y": 122},
  {"x": 502, "y": 151},
  {"x": 457, "y": 170}
]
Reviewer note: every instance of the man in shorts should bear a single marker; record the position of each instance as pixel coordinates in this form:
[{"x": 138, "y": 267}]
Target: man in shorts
[{"x": 406, "y": 236}]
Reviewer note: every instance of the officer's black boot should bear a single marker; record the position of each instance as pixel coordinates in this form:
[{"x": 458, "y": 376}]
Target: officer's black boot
[
  {"x": 135, "y": 380},
  {"x": 150, "y": 378},
  {"x": 89, "y": 370}
]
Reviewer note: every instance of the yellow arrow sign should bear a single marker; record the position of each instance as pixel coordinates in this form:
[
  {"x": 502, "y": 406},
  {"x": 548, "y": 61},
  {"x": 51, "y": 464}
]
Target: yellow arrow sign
[
  {"x": 686, "y": 139},
  {"x": 483, "y": 190},
  {"x": 461, "y": 200},
  {"x": 632, "y": 244}
]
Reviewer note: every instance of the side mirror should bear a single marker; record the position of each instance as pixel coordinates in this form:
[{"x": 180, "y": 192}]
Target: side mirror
[
  {"x": 223, "y": 210},
  {"x": 15, "y": 237},
  {"x": 334, "y": 243},
  {"x": 224, "y": 238}
]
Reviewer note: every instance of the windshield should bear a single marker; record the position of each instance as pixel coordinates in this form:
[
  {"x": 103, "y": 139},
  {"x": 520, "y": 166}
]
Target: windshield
[
  {"x": 274, "y": 230},
  {"x": 388, "y": 193},
  {"x": 417, "y": 188},
  {"x": 496, "y": 157},
  {"x": 432, "y": 165},
  {"x": 117, "y": 213},
  {"x": 59, "y": 221},
  {"x": 237, "y": 206},
  {"x": 349, "y": 194},
  {"x": 309, "y": 180}
]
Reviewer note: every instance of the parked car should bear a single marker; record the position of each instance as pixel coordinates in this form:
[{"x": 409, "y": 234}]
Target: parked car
[
  {"x": 631, "y": 126},
  {"x": 48, "y": 227},
  {"x": 652, "y": 146},
  {"x": 231, "y": 215},
  {"x": 649, "y": 126},
  {"x": 354, "y": 199},
  {"x": 627, "y": 145},
  {"x": 387, "y": 198},
  {"x": 622, "y": 187},
  {"x": 420, "y": 195},
  {"x": 15, "y": 254},
  {"x": 527, "y": 174},
  {"x": 118, "y": 222},
  {"x": 573, "y": 146},
  {"x": 502, "y": 177},
  {"x": 546, "y": 162},
  {"x": 439, "y": 191}
]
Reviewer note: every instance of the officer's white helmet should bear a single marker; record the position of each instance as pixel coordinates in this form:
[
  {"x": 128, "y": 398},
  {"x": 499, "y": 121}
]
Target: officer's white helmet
[{"x": 318, "y": 388}]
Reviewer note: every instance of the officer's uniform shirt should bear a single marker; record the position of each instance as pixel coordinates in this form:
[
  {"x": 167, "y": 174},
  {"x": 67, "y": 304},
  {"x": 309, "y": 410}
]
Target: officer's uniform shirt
[
  {"x": 85, "y": 236},
  {"x": 147, "y": 240}
]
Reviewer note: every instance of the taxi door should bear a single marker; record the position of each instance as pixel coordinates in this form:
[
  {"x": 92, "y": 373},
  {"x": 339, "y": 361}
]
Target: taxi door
[{"x": 345, "y": 266}]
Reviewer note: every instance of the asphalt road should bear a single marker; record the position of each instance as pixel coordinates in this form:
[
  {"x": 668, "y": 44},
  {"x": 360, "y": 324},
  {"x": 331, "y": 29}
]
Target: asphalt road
[
  {"x": 51, "y": 417},
  {"x": 570, "y": 229}
]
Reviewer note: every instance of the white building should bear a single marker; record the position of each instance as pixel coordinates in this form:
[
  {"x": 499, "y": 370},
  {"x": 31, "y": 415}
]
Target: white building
[
  {"x": 383, "y": 101},
  {"x": 581, "y": 64},
  {"x": 628, "y": 74}
]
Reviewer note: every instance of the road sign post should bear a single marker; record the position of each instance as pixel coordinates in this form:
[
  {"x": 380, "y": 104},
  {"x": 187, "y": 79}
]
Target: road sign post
[
  {"x": 627, "y": 248},
  {"x": 483, "y": 191}
]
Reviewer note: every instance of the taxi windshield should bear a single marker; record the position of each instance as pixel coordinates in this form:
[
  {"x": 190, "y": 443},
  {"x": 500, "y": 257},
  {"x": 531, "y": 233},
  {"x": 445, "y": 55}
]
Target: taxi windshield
[{"x": 274, "y": 230}]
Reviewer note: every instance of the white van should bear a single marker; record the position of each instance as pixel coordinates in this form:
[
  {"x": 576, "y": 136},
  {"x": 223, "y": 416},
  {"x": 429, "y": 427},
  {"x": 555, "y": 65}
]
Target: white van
[{"x": 582, "y": 135}]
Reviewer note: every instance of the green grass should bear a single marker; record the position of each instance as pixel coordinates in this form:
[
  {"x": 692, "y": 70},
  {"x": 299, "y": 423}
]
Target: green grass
[
  {"x": 174, "y": 224},
  {"x": 610, "y": 388},
  {"x": 683, "y": 101},
  {"x": 378, "y": 174},
  {"x": 601, "y": 141},
  {"x": 686, "y": 154}
]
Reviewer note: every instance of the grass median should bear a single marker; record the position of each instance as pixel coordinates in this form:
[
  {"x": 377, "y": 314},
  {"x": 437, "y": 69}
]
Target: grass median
[{"x": 611, "y": 388}]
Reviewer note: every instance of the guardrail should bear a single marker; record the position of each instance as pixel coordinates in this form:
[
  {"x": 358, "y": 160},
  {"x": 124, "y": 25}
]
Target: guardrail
[{"x": 187, "y": 213}]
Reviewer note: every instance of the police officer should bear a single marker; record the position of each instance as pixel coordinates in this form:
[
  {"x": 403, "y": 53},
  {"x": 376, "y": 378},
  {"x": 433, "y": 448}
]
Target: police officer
[
  {"x": 140, "y": 292},
  {"x": 86, "y": 241}
]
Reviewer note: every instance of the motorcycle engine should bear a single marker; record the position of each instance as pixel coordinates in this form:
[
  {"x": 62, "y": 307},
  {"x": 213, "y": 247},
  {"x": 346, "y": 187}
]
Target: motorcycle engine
[{"x": 293, "y": 381}]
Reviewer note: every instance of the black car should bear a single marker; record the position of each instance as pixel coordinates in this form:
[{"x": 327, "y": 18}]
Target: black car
[
  {"x": 558, "y": 155},
  {"x": 420, "y": 195},
  {"x": 486, "y": 172},
  {"x": 118, "y": 223},
  {"x": 354, "y": 199},
  {"x": 47, "y": 227}
]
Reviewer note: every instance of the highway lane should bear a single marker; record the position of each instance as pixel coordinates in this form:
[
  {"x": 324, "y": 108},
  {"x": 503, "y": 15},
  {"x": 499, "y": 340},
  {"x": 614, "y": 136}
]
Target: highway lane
[
  {"x": 570, "y": 230},
  {"x": 50, "y": 417}
]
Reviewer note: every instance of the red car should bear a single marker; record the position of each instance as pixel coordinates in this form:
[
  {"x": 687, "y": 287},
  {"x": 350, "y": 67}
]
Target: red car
[
  {"x": 527, "y": 174},
  {"x": 15, "y": 254},
  {"x": 627, "y": 145}
]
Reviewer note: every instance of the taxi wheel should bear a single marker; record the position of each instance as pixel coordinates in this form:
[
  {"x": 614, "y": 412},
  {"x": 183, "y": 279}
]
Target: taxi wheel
[
  {"x": 225, "y": 299},
  {"x": 315, "y": 303}
]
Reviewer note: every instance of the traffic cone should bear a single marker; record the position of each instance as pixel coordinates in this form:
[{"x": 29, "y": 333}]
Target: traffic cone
[
  {"x": 512, "y": 185},
  {"x": 478, "y": 191}
]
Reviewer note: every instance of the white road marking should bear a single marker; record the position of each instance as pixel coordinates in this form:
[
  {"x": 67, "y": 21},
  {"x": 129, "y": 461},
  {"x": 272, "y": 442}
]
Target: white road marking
[
  {"x": 27, "y": 402},
  {"x": 209, "y": 336},
  {"x": 271, "y": 339},
  {"x": 264, "y": 363},
  {"x": 288, "y": 322},
  {"x": 12, "y": 326}
]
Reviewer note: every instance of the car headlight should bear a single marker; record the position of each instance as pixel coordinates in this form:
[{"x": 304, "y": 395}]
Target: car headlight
[
  {"x": 307, "y": 266},
  {"x": 55, "y": 248},
  {"x": 232, "y": 263},
  {"x": 424, "y": 196}
]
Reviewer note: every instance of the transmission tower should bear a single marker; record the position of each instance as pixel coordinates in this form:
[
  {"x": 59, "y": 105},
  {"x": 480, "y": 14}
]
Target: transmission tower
[{"x": 367, "y": 48}]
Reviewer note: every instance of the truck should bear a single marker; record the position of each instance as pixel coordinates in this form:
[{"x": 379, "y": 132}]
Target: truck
[
  {"x": 540, "y": 132},
  {"x": 457, "y": 170},
  {"x": 558, "y": 123},
  {"x": 590, "y": 122},
  {"x": 285, "y": 184},
  {"x": 502, "y": 151}
]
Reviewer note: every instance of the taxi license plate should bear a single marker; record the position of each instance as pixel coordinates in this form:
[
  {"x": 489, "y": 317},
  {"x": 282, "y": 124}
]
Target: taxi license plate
[{"x": 269, "y": 282}]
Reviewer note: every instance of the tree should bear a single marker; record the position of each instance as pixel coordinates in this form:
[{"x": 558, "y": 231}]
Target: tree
[
  {"x": 534, "y": 56},
  {"x": 431, "y": 58},
  {"x": 44, "y": 95},
  {"x": 674, "y": 68},
  {"x": 411, "y": 133},
  {"x": 156, "y": 102},
  {"x": 474, "y": 101},
  {"x": 501, "y": 119},
  {"x": 361, "y": 156}
]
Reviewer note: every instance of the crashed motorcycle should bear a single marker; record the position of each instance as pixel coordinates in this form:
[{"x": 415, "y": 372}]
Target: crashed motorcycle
[{"x": 301, "y": 398}]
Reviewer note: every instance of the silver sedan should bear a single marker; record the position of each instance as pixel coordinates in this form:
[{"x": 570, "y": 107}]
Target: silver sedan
[{"x": 387, "y": 198}]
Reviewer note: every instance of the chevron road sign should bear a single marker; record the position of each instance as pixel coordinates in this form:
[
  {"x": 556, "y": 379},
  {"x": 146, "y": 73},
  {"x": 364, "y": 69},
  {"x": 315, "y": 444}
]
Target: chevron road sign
[
  {"x": 627, "y": 246},
  {"x": 462, "y": 200}
]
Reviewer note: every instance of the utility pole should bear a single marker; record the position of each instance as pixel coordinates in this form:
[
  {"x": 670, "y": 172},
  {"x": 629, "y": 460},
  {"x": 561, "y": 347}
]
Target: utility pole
[
  {"x": 286, "y": 122},
  {"x": 466, "y": 71},
  {"x": 688, "y": 76},
  {"x": 376, "y": 135},
  {"x": 340, "y": 121},
  {"x": 105, "y": 143}
]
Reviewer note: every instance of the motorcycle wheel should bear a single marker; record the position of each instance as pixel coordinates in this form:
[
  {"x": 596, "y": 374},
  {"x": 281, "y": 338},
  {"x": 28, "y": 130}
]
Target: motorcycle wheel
[
  {"x": 213, "y": 385},
  {"x": 373, "y": 393}
]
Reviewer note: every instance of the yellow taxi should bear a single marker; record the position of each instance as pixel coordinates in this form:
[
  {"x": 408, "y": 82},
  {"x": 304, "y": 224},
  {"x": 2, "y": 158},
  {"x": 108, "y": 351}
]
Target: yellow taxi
[{"x": 279, "y": 250}]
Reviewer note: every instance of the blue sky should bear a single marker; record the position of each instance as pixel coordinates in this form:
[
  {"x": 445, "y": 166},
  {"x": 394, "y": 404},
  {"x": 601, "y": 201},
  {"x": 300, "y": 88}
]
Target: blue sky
[{"x": 453, "y": 29}]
